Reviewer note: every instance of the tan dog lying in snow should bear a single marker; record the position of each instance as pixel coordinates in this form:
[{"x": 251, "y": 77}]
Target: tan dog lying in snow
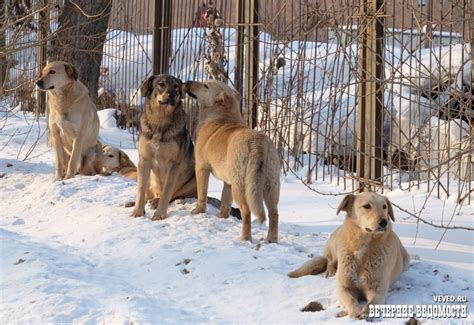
[
  {"x": 364, "y": 253},
  {"x": 246, "y": 160},
  {"x": 72, "y": 120},
  {"x": 115, "y": 160}
]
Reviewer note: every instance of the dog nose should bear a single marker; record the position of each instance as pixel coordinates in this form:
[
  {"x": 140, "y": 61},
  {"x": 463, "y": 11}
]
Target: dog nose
[
  {"x": 383, "y": 223},
  {"x": 39, "y": 83}
]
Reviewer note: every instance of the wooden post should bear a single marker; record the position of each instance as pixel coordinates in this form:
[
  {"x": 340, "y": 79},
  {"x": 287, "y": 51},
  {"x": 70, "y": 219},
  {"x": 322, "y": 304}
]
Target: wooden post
[
  {"x": 370, "y": 97},
  {"x": 161, "y": 36}
]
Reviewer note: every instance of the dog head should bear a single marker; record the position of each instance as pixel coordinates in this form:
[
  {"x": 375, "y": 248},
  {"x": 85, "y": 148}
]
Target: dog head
[
  {"x": 163, "y": 89},
  {"x": 113, "y": 159},
  {"x": 213, "y": 93},
  {"x": 371, "y": 212},
  {"x": 56, "y": 75}
]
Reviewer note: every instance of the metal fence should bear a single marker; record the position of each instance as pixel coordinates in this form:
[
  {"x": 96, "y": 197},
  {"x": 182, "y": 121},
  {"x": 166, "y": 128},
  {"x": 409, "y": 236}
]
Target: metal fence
[{"x": 371, "y": 93}]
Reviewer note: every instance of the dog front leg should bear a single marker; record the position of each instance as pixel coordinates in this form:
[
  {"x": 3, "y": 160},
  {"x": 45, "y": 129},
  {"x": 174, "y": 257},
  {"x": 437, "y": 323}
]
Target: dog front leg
[
  {"x": 143, "y": 173},
  {"x": 58, "y": 154},
  {"x": 202, "y": 180},
  {"x": 166, "y": 194},
  {"x": 226, "y": 201},
  {"x": 374, "y": 296},
  {"x": 347, "y": 289},
  {"x": 75, "y": 157}
]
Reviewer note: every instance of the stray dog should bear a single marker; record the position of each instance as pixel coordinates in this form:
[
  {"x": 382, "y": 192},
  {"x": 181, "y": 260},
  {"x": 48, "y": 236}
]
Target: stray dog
[
  {"x": 364, "y": 253},
  {"x": 246, "y": 160},
  {"x": 116, "y": 161},
  {"x": 166, "y": 152},
  {"x": 166, "y": 157},
  {"x": 72, "y": 121}
]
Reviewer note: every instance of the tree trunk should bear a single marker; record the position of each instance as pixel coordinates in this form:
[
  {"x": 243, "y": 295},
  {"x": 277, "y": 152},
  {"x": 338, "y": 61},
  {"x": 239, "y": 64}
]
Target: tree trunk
[{"x": 80, "y": 38}]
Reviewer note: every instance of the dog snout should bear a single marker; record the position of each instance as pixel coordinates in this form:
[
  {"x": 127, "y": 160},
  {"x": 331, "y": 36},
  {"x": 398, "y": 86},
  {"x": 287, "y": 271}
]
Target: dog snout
[
  {"x": 40, "y": 83},
  {"x": 383, "y": 223}
]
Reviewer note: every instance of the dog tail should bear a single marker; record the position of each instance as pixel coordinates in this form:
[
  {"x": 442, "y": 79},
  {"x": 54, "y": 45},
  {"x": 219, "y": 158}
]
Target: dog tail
[
  {"x": 255, "y": 180},
  {"x": 314, "y": 266}
]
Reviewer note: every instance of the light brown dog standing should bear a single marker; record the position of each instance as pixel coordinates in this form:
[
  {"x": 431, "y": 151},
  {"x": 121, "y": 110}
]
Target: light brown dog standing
[
  {"x": 246, "y": 160},
  {"x": 72, "y": 120},
  {"x": 364, "y": 253}
]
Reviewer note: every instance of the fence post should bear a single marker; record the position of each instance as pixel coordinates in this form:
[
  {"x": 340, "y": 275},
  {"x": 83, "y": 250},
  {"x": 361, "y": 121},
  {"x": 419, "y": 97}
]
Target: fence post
[
  {"x": 252, "y": 45},
  {"x": 3, "y": 63},
  {"x": 41, "y": 54},
  {"x": 370, "y": 117},
  {"x": 239, "y": 64},
  {"x": 161, "y": 36}
]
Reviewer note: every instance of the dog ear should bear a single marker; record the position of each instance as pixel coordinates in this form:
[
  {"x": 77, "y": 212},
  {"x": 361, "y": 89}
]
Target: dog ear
[
  {"x": 223, "y": 98},
  {"x": 124, "y": 160},
  {"x": 71, "y": 71},
  {"x": 390, "y": 209},
  {"x": 104, "y": 147},
  {"x": 346, "y": 204},
  {"x": 147, "y": 86}
]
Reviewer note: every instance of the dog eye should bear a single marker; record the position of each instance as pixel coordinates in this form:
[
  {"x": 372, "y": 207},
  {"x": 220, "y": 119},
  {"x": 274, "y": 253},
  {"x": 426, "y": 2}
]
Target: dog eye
[
  {"x": 161, "y": 84},
  {"x": 205, "y": 86},
  {"x": 111, "y": 156},
  {"x": 52, "y": 72},
  {"x": 384, "y": 207},
  {"x": 366, "y": 206}
]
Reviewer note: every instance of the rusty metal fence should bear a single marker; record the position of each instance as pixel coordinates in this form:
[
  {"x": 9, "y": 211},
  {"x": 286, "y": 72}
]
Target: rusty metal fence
[{"x": 363, "y": 94}]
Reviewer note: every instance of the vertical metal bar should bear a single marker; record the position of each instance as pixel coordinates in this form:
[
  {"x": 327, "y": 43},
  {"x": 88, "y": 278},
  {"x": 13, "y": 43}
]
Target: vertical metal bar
[
  {"x": 251, "y": 83},
  {"x": 161, "y": 36},
  {"x": 370, "y": 109},
  {"x": 239, "y": 64},
  {"x": 3, "y": 63}
]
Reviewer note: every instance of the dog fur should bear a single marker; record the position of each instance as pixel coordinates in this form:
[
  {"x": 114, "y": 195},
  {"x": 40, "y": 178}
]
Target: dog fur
[
  {"x": 246, "y": 160},
  {"x": 115, "y": 160},
  {"x": 72, "y": 120},
  {"x": 365, "y": 254},
  {"x": 166, "y": 158}
]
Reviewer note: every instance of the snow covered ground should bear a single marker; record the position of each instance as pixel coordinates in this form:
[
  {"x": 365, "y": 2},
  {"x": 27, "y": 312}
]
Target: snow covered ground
[{"x": 69, "y": 252}]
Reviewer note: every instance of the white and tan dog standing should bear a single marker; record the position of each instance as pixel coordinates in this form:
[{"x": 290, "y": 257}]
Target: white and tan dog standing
[
  {"x": 72, "y": 120},
  {"x": 246, "y": 160},
  {"x": 364, "y": 253}
]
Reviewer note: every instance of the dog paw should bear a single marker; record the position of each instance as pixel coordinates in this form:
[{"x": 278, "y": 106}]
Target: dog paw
[
  {"x": 330, "y": 273},
  {"x": 137, "y": 213},
  {"x": 198, "y": 209},
  {"x": 342, "y": 313},
  {"x": 58, "y": 177},
  {"x": 158, "y": 216},
  {"x": 272, "y": 239}
]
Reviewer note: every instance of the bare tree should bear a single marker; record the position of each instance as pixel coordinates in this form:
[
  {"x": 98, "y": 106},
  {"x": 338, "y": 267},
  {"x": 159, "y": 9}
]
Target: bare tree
[{"x": 80, "y": 38}]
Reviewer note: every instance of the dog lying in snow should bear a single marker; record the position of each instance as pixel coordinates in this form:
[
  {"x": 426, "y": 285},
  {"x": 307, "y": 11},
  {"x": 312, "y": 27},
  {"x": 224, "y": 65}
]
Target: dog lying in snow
[
  {"x": 115, "y": 160},
  {"x": 364, "y": 253}
]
